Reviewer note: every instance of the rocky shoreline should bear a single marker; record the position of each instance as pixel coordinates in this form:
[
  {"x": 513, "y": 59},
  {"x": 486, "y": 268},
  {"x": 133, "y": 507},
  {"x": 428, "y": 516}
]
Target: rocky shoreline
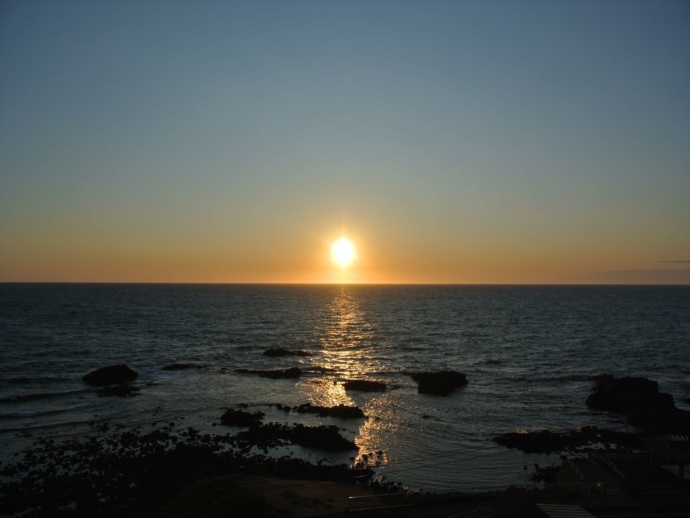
[
  {"x": 117, "y": 472},
  {"x": 113, "y": 472},
  {"x": 638, "y": 399}
]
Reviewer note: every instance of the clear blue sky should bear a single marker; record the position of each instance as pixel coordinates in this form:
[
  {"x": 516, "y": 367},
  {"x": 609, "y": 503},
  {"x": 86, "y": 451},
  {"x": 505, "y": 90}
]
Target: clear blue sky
[{"x": 453, "y": 141}]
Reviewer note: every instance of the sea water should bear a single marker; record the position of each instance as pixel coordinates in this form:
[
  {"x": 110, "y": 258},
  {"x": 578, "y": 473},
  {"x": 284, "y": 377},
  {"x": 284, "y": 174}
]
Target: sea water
[{"x": 529, "y": 353}]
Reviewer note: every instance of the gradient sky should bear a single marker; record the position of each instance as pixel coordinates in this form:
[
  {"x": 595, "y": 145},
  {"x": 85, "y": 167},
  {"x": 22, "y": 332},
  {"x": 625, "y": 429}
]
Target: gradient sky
[{"x": 452, "y": 141}]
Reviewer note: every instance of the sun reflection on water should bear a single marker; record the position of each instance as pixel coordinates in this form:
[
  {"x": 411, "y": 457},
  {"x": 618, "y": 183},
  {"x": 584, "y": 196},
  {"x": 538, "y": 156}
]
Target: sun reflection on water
[
  {"x": 347, "y": 337},
  {"x": 348, "y": 340}
]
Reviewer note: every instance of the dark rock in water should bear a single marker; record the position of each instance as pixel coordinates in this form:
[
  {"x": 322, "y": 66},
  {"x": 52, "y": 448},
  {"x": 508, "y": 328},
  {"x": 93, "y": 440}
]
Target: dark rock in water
[
  {"x": 18, "y": 380},
  {"x": 110, "y": 375},
  {"x": 365, "y": 385},
  {"x": 241, "y": 418},
  {"x": 439, "y": 383},
  {"x": 121, "y": 390},
  {"x": 279, "y": 351},
  {"x": 342, "y": 411},
  {"x": 542, "y": 441},
  {"x": 322, "y": 437},
  {"x": 545, "y": 441},
  {"x": 182, "y": 366},
  {"x": 626, "y": 395},
  {"x": 640, "y": 400},
  {"x": 294, "y": 372}
]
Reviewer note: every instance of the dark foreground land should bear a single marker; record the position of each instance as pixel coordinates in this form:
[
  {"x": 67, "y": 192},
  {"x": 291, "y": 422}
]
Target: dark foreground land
[{"x": 170, "y": 472}]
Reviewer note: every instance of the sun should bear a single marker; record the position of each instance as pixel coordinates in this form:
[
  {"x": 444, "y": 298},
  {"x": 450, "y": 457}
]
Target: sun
[{"x": 343, "y": 252}]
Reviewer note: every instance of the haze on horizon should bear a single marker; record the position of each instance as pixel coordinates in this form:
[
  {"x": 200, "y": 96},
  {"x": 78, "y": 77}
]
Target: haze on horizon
[{"x": 451, "y": 141}]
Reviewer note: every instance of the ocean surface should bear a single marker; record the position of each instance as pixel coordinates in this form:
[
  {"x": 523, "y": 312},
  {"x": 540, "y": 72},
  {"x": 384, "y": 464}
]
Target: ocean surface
[{"x": 528, "y": 352}]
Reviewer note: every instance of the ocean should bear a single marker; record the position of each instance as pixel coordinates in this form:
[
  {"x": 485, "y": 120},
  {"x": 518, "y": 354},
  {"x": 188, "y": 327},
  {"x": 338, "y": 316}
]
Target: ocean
[{"x": 529, "y": 353}]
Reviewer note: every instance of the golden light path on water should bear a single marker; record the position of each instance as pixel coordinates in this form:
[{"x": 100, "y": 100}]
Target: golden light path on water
[{"x": 350, "y": 352}]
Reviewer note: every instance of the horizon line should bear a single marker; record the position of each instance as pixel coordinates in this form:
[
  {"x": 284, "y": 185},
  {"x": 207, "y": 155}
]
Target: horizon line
[{"x": 181, "y": 283}]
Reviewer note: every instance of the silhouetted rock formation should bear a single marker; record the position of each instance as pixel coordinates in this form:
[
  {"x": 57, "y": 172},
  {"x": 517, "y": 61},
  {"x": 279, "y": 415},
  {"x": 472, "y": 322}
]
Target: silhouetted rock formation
[
  {"x": 640, "y": 400},
  {"x": 364, "y": 385},
  {"x": 182, "y": 366},
  {"x": 240, "y": 418},
  {"x": 294, "y": 372},
  {"x": 110, "y": 375},
  {"x": 278, "y": 351},
  {"x": 439, "y": 383}
]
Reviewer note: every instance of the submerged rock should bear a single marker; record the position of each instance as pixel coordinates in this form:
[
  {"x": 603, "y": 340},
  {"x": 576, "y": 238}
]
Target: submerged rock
[
  {"x": 110, "y": 375},
  {"x": 182, "y": 366},
  {"x": 294, "y": 372},
  {"x": 241, "y": 418},
  {"x": 342, "y": 411},
  {"x": 439, "y": 383},
  {"x": 365, "y": 385},
  {"x": 279, "y": 351}
]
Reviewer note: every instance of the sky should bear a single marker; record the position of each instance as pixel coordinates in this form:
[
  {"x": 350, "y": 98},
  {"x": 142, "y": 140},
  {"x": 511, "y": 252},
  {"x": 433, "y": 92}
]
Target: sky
[{"x": 451, "y": 141}]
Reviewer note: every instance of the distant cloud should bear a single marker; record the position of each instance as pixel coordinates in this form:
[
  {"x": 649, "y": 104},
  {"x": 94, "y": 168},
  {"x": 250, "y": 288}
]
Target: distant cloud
[{"x": 659, "y": 276}]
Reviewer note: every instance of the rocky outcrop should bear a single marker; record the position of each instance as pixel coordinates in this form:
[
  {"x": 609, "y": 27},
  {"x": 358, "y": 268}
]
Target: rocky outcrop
[
  {"x": 440, "y": 383},
  {"x": 279, "y": 351},
  {"x": 294, "y": 372},
  {"x": 110, "y": 375},
  {"x": 365, "y": 385},
  {"x": 640, "y": 400},
  {"x": 241, "y": 418}
]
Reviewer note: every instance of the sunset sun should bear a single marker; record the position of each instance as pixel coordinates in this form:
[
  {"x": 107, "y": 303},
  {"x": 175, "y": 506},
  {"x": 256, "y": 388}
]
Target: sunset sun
[{"x": 343, "y": 252}]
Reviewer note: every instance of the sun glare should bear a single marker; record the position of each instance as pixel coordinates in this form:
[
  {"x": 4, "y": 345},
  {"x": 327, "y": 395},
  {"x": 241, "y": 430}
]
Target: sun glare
[{"x": 343, "y": 252}]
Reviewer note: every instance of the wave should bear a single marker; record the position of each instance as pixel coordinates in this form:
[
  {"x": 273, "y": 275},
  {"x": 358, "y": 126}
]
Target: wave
[
  {"x": 33, "y": 413},
  {"x": 41, "y": 380},
  {"x": 19, "y": 398}
]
